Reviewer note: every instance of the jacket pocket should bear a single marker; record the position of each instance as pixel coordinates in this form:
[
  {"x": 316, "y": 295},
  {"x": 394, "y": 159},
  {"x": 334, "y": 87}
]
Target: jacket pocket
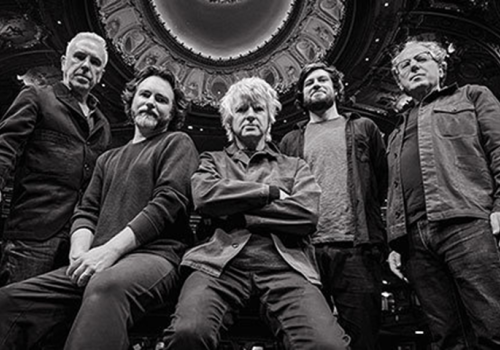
[{"x": 456, "y": 120}]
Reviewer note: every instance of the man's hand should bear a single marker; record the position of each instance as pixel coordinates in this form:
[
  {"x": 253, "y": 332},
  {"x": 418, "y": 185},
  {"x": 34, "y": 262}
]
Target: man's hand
[
  {"x": 495, "y": 223},
  {"x": 81, "y": 240},
  {"x": 95, "y": 260},
  {"x": 394, "y": 261},
  {"x": 99, "y": 258}
]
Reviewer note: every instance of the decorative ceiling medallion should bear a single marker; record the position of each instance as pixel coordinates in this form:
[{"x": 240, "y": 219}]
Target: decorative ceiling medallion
[
  {"x": 223, "y": 31},
  {"x": 211, "y": 44}
]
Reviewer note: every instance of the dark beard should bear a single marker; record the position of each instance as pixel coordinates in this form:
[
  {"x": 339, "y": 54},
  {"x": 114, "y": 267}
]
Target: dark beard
[{"x": 318, "y": 105}]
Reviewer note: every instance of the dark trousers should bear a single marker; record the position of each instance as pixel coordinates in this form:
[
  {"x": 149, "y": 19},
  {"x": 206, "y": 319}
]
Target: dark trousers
[
  {"x": 352, "y": 277},
  {"x": 98, "y": 315},
  {"x": 22, "y": 259},
  {"x": 294, "y": 308},
  {"x": 454, "y": 267}
]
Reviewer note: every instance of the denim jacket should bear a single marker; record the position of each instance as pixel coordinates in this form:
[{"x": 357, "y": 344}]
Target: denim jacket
[
  {"x": 459, "y": 149},
  {"x": 229, "y": 185},
  {"x": 46, "y": 138},
  {"x": 367, "y": 173}
]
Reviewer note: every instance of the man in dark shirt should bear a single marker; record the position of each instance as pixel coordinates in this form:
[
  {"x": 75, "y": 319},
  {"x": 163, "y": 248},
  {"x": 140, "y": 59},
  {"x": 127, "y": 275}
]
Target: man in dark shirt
[
  {"x": 264, "y": 205},
  {"x": 444, "y": 199},
  {"x": 52, "y": 136},
  {"x": 128, "y": 234},
  {"x": 346, "y": 154}
]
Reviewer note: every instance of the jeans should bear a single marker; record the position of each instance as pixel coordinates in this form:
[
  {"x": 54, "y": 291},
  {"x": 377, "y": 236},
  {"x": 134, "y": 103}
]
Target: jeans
[
  {"x": 454, "y": 267},
  {"x": 97, "y": 316},
  {"x": 25, "y": 259},
  {"x": 295, "y": 310},
  {"x": 352, "y": 276}
]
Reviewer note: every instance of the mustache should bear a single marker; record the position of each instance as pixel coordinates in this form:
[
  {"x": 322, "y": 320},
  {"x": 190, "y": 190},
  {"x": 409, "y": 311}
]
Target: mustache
[
  {"x": 314, "y": 90},
  {"x": 148, "y": 112}
]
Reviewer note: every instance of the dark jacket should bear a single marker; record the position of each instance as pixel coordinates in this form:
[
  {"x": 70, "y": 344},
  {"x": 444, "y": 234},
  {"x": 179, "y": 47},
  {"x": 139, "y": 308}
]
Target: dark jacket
[
  {"x": 45, "y": 137},
  {"x": 367, "y": 173},
  {"x": 459, "y": 148},
  {"x": 229, "y": 184}
]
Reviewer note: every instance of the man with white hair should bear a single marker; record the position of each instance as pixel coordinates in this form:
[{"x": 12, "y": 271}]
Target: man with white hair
[
  {"x": 50, "y": 137},
  {"x": 265, "y": 207},
  {"x": 444, "y": 199}
]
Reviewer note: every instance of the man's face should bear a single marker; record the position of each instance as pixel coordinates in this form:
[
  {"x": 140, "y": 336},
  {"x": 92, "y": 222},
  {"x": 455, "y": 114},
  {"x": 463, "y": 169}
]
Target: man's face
[
  {"x": 152, "y": 104},
  {"x": 83, "y": 67},
  {"x": 417, "y": 70},
  {"x": 318, "y": 91},
  {"x": 250, "y": 120}
]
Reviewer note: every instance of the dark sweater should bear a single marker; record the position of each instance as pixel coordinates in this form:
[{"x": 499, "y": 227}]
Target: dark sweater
[{"x": 145, "y": 186}]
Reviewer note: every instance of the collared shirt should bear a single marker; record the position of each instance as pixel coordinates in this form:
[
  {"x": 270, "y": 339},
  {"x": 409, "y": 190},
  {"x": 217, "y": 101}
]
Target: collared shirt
[
  {"x": 230, "y": 186},
  {"x": 459, "y": 151}
]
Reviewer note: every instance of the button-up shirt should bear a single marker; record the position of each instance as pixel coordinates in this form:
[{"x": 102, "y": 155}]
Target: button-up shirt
[{"x": 459, "y": 151}]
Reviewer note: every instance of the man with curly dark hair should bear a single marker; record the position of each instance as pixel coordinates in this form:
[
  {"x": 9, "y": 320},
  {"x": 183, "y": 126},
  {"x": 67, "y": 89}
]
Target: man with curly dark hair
[
  {"x": 346, "y": 154},
  {"x": 128, "y": 233}
]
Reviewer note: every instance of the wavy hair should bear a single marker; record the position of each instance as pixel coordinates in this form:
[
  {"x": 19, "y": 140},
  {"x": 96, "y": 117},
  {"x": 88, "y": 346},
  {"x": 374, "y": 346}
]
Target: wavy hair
[
  {"x": 253, "y": 89},
  {"x": 180, "y": 105},
  {"x": 437, "y": 51},
  {"x": 335, "y": 75}
]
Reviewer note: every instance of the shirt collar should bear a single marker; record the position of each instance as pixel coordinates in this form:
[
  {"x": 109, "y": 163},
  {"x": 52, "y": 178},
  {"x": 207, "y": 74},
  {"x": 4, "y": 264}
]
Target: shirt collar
[
  {"x": 447, "y": 90},
  {"x": 92, "y": 101}
]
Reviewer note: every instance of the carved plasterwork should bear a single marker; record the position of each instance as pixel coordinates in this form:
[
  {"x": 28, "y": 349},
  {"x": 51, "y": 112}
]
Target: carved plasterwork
[
  {"x": 18, "y": 32},
  {"x": 143, "y": 36}
]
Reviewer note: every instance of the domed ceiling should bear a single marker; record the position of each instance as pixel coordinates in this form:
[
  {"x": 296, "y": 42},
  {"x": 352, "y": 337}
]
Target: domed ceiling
[{"x": 211, "y": 44}]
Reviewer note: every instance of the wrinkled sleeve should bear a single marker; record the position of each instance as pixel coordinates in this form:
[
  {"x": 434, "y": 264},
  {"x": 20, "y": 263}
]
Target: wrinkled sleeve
[
  {"x": 172, "y": 194},
  {"x": 16, "y": 127},
  {"x": 217, "y": 196},
  {"x": 488, "y": 116},
  {"x": 295, "y": 215}
]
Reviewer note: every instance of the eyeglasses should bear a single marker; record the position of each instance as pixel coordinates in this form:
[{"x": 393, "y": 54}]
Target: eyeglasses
[{"x": 403, "y": 67}]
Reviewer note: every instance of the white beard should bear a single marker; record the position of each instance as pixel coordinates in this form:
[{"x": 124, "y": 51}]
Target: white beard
[{"x": 145, "y": 120}]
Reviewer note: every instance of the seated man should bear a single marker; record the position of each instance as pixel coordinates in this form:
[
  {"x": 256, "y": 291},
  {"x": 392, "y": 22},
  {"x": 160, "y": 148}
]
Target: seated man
[
  {"x": 265, "y": 205},
  {"x": 128, "y": 233}
]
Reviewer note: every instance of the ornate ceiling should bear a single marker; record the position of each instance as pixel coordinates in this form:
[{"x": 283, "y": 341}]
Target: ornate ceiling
[{"x": 212, "y": 43}]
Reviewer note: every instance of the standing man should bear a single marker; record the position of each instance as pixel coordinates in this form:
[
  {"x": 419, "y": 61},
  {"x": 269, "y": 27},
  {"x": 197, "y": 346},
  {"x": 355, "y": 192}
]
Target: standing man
[
  {"x": 347, "y": 156},
  {"x": 51, "y": 137},
  {"x": 265, "y": 207},
  {"x": 444, "y": 199},
  {"x": 128, "y": 234}
]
